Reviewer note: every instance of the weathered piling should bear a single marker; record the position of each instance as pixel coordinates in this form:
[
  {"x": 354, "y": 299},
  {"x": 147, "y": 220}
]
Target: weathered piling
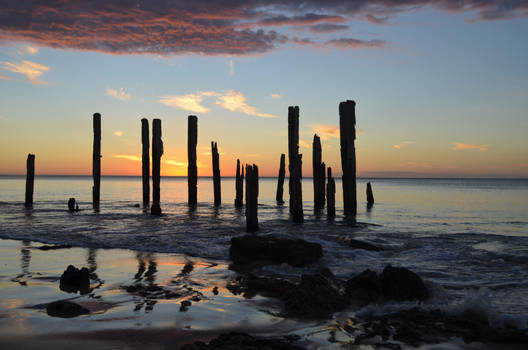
[
  {"x": 280, "y": 181},
  {"x": 370, "y": 195},
  {"x": 216, "y": 174},
  {"x": 318, "y": 174},
  {"x": 347, "y": 129},
  {"x": 295, "y": 165},
  {"x": 157, "y": 152},
  {"x": 71, "y": 205},
  {"x": 30, "y": 180},
  {"x": 192, "y": 170},
  {"x": 96, "y": 161},
  {"x": 330, "y": 196},
  {"x": 145, "y": 161},
  {"x": 239, "y": 186},
  {"x": 251, "y": 198}
]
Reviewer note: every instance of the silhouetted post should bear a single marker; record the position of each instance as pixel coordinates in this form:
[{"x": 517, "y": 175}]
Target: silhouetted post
[
  {"x": 145, "y": 160},
  {"x": 295, "y": 166},
  {"x": 96, "y": 160},
  {"x": 347, "y": 129},
  {"x": 280, "y": 181},
  {"x": 192, "y": 170},
  {"x": 30, "y": 179},
  {"x": 71, "y": 205},
  {"x": 251, "y": 198},
  {"x": 330, "y": 196},
  {"x": 157, "y": 152},
  {"x": 239, "y": 186},
  {"x": 216, "y": 174},
  {"x": 318, "y": 174},
  {"x": 370, "y": 195}
]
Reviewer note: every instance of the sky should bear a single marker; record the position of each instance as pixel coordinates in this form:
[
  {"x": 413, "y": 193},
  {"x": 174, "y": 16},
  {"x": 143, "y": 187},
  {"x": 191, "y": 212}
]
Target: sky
[{"x": 441, "y": 86}]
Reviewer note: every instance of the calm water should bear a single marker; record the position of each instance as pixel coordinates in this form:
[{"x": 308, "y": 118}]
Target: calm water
[{"x": 467, "y": 237}]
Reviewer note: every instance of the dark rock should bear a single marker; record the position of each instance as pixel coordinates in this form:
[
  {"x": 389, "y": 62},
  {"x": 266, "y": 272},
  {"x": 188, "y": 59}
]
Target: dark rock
[
  {"x": 400, "y": 284},
  {"x": 71, "y": 204},
  {"x": 53, "y": 247},
  {"x": 317, "y": 296},
  {"x": 365, "y": 287},
  {"x": 66, "y": 309},
  {"x": 354, "y": 243},
  {"x": 215, "y": 290},
  {"x": 185, "y": 305},
  {"x": 242, "y": 341},
  {"x": 73, "y": 280},
  {"x": 266, "y": 249},
  {"x": 394, "y": 283}
]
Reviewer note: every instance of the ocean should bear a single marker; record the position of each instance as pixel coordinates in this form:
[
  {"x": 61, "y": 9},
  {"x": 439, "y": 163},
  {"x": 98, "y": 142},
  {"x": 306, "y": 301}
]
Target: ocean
[{"x": 467, "y": 238}]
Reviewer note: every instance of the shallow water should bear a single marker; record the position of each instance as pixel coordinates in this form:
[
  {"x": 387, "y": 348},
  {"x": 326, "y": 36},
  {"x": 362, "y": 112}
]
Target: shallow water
[{"x": 461, "y": 235}]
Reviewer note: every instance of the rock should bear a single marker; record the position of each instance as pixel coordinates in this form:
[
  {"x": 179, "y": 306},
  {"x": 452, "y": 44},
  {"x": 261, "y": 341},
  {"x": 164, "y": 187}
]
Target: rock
[
  {"x": 53, "y": 247},
  {"x": 394, "y": 283},
  {"x": 401, "y": 284},
  {"x": 354, "y": 243},
  {"x": 71, "y": 204},
  {"x": 266, "y": 249},
  {"x": 365, "y": 287},
  {"x": 185, "y": 305},
  {"x": 65, "y": 309},
  {"x": 240, "y": 341},
  {"x": 317, "y": 296},
  {"x": 73, "y": 280}
]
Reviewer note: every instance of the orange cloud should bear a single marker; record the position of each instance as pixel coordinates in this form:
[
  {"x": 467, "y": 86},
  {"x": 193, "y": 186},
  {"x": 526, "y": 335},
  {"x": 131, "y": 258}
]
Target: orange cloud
[
  {"x": 275, "y": 96},
  {"x": 465, "y": 146},
  {"x": 31, "y": 70},
  {"x": 235, "y": 101},
  {"x": 325, "y": 130},
  {"x": 403, "y": 144},
  {"x": 189, "y": 102}
]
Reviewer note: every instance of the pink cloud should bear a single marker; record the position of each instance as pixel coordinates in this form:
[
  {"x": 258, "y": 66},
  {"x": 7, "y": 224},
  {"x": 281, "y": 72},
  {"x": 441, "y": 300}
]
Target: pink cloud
[{"x": 468, "y": 146}]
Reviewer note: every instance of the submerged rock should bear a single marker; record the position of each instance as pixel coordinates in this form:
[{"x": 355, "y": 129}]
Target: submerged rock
[
  {"x": 65, "y": 309},
  {"x": 354, "y": 243},
  {"x": 73, "y": 280},
  {"x": 266, "y": 249},
  {"x": 243, "y": 341}
]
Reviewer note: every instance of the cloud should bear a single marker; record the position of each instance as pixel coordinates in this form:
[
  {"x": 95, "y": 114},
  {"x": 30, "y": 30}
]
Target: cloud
[
  {"x": 376, "y": 20},
  {"x": 128, "y": 157},
  {"x": 304, "y": 144},
  {"x": 231, "y": 67},
  {"x": 232, "y": 100},
  {"x": 230, "y": 27},
  {"x": 328, "y": 27},
  {"x": 32, "y": 50},
  {"x": 275, "y": 96},
  {"x": 189, "y": 102},
  {"x": 235, "y": 101},
  {"x": 465, "y": 146},
  {"x": 121, "y": 95},
  {"x": 351, "y": 43},
  {"x": 403, "y": 144},
  {"x": 31, "y": 70},
  {"x": 325, "y": 131},
  {"x": 5, "y": 77},
  {"x": 118, "y": 133}
]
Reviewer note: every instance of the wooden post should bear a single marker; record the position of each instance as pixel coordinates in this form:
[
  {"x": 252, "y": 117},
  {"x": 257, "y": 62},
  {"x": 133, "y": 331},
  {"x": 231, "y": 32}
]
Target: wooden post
[
  {"x": 251, "y": 198},
  {"x": 216, "y": 174},
  {"x": 96, "y": 160},
  {"x": 330, "y": 196},
  {"x": 280, "y": 181},
  {"x": 239, "y": 186},
  {"x": 370, "y": 195},
  {"x": 192, "y": 170},
  {"x": 157, "y": 152},
  {"x": 347, "y": 129},
  {"x": 318, "y": 174},
  {"x": 30, "y": 179},
  {"x": 295, "y": 166},
  {"x": 145, "y": 160}
]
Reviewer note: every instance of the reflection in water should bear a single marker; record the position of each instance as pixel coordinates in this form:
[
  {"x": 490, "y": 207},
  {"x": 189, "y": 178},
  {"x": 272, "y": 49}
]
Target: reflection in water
[
  {"x": 147, "y": 269},
  {"x": 92, "y": 262},
  {"x": 25, "y": 257}
]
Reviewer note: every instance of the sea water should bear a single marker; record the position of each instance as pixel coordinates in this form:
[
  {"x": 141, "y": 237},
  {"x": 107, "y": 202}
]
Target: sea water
[{"x": 468, "y": 238}]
